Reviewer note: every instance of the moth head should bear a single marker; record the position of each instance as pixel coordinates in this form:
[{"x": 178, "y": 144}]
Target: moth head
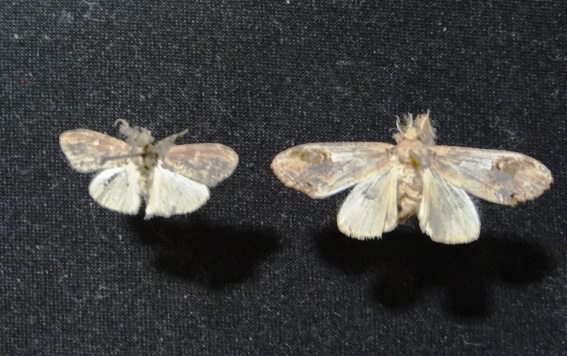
[
  {"x": 135, "y": 136},
  {"x": 418, "y": 128}
]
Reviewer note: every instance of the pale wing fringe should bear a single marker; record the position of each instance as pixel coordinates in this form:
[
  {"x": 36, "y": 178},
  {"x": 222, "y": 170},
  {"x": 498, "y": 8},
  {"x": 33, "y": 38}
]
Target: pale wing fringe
[
  {"x": 172, "y": 193},
  {"x": 323, "y": 169},
  {"x": 117, "y": 189},
  {"x": 446, "y": 213},
  {"x": 500, "y": 177},
  {"x": 89, "y": 151},
  {"x": 205, "y": 163},
  {"x": 371, "y": 208}
]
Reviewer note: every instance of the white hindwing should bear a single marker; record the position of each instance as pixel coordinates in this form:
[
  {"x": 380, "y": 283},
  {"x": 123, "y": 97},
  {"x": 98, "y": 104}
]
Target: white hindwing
[
  {"x": 171, "y": 193},
  {"x": 447, "y": 213},
  {"x": 371, "y": 208},
  {"x": 117, "y": 189}
]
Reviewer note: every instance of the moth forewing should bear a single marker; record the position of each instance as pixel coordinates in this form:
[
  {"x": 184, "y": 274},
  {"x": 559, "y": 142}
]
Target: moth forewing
[
  {"x": 497, "y": 176},
  {"x": 323, "y": 169},
  {"x": 206, "y": 163},
  {"x": 90, "y": 151}
]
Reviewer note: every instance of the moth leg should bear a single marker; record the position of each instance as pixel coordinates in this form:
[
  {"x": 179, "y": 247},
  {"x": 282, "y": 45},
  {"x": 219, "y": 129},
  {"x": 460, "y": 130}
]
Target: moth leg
[{"x": 172, "y": 138}]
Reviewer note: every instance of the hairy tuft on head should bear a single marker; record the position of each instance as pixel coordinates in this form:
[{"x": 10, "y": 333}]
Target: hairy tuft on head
[
  {"x": 135, "y": 136},
  {"x": 426, "y": 131}
]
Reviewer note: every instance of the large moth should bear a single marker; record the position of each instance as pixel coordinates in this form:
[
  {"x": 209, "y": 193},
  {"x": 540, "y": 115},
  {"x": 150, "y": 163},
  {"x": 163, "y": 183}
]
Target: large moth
[{"x": 413, "y": 177}]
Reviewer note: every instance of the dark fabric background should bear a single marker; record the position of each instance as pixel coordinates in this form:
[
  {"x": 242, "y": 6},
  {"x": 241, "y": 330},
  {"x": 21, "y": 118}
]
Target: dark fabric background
[{"x": 261, "y": 269}]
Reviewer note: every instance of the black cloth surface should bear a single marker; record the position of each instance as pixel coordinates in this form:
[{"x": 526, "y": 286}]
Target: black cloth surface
[{"x": 261, "y": 269}]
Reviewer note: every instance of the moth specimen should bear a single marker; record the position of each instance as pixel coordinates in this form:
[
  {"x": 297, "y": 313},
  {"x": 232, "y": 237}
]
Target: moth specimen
[
  {"x": 413, "y": 177},
  {"x": 171, "y": 179}
]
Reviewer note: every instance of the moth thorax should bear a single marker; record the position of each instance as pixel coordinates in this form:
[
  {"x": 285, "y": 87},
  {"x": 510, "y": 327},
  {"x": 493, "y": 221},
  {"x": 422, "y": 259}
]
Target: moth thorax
[
  {"x": 149, "y": 157},
  {"x": 406, "y": 151}
]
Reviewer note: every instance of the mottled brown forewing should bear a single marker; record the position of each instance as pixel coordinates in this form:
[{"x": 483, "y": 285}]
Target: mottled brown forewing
[
  {"x": 323, "y": 169},
  {"x": 206, "y": 163},
  {"x": 500, "y": 177},
  {"x": 89, "y": 151}
]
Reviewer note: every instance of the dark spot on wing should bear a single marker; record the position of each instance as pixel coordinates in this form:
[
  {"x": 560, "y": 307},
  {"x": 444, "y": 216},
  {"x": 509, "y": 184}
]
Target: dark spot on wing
[
  {"x": 508, "y": 165},
  {"x": 312, "y": 155},
  {"x": 111, "y": 179}
]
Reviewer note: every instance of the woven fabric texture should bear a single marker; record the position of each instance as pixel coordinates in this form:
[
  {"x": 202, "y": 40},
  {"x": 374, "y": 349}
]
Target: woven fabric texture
[{"x": 261, "y": 269}]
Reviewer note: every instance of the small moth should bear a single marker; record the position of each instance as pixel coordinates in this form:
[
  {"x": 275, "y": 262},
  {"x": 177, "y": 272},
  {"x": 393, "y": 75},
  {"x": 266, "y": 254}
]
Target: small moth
[
  {"x": 413, "y": 177},
  {"x": 171, "y": 179}
]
